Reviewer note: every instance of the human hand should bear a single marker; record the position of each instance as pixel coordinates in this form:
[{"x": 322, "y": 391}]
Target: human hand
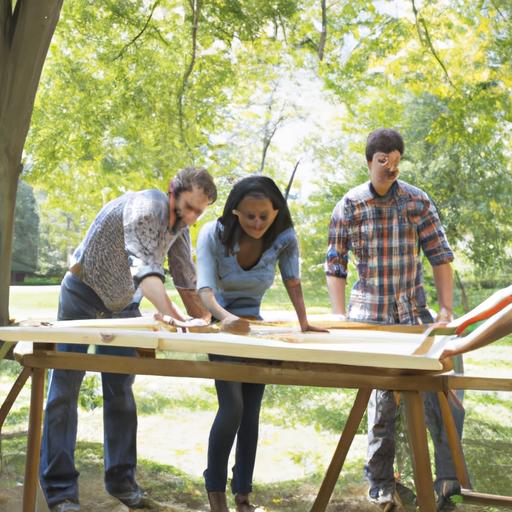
[
  {"x": 312, "y": 328},
  {"x": 235, "y": 325},
  {"x": 194, "y": 322},
  {"x": 185, "y": 324},
  {"x": 453, "y": 348}
]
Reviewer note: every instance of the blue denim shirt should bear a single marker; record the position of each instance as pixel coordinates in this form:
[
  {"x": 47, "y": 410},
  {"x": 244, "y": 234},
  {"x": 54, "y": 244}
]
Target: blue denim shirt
[{"x": 237, "y": 290}]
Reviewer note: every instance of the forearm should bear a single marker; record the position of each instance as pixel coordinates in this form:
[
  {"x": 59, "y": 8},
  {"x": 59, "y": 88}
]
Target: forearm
[
  {"x": 210, "y": 303},
  {"x": 154, "y": 290},
  {"x": 294, "y": 289},
  {"x": 228, "y": 321},
  {"x": 501, "y": 327},
  {"x": 443, "y": 279},
  {"x": 336, "y": 288},
  {"x": 193, "y": 304}
]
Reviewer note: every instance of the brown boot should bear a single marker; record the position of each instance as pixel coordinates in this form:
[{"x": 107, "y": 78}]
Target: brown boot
[
  {"x": 217, "y": 501},
  {"x": 242, "y": 503}
]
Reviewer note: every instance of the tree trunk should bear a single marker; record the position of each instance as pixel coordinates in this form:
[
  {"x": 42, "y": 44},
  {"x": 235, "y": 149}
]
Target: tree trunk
[
  {"x": 25, "y": 35},
  {"x": 9, "y": 181}
]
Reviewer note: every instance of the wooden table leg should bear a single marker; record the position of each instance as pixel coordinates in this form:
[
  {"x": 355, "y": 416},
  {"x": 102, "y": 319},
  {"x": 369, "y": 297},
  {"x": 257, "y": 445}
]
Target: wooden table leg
[
  {"x": 340, "y": 454},
  {"x": 33, "y": 440},
  {"x": 417, "y": 430},
  {"x": 13, "y": 394},
  {"x": 454, "y": 441}
]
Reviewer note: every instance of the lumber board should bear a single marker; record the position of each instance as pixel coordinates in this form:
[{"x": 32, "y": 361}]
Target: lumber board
[
  {"x": 347, "y": 347},
  {"x": 141, "y": 323}
]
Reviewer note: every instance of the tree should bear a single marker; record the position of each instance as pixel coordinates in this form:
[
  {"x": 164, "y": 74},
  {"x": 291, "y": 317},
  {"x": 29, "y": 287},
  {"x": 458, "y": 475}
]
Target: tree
[
  {"x": 26, "y": 29},
  {"x": 440, "y": 73}
]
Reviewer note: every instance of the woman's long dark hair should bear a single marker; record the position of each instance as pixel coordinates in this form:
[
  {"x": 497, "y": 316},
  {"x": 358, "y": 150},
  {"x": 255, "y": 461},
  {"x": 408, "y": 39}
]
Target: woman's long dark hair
[{"x": 254, "y": 186}]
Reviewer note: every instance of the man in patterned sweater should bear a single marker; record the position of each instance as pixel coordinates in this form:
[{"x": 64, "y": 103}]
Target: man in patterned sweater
[
  {"x": 385, "y": 222},
  {"x": 119, "y": 261}
]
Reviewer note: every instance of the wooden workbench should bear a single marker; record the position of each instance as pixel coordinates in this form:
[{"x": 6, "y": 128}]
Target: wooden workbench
[{"x": 279, "y": 355}]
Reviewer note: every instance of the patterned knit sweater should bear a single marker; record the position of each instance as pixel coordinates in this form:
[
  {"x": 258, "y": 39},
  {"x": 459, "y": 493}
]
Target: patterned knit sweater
[{"x": 128, "y": 241}]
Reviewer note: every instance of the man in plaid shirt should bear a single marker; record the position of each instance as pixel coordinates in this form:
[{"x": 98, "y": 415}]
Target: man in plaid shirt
[{"x": 385, "y": 222}]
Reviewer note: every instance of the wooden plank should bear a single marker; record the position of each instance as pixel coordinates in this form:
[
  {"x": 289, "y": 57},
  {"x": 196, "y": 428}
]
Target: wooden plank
[
  {"x": 416, "y": 429},
  {"x": 479, "y": 383},
  {"x": 303, "y": 374},
  {"x": 142, "y": 322},
  {"x": 4, "y": 348},
  {"x": 330, "y": 321},
  {"x": 33, "y": 440},
  {"x": 454, "y": 441},
  {"x": 480, "y": 498},
  {"x": 340, "y": 454},
  {"x": 13, "y": 394},
  {"x": 359, "y": 348},
  {"x": 85, "y": 336}
]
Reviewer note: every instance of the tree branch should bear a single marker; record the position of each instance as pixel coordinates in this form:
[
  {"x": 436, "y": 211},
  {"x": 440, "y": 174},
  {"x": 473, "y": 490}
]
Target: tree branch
[
  {"x": 283, "y": 27},
  {"x": 288, "y": 188},
  {"x": 420, "y": 21},
  {"x": 134, "y": 40},
  {"x": 498, "y": 9},
  {"x": 269, "y": 132},
  {"x": 195, "y": 5},
  {"x": 323, "y": 35}
]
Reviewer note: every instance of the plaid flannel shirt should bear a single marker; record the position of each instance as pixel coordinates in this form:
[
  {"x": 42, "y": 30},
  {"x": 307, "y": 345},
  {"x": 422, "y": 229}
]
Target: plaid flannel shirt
[{"x": 385, "y": 234}]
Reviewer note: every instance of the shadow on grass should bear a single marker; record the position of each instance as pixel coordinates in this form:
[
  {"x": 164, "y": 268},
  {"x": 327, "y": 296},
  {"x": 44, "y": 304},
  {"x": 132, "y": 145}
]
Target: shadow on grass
[{"x": 174, "y": 490}]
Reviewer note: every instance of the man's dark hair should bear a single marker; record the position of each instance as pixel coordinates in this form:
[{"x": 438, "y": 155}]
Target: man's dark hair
[
  {"x": 190, "y": 177},
  {"x": 383, "y": 140},
  {"x": 258, "y": 187}
]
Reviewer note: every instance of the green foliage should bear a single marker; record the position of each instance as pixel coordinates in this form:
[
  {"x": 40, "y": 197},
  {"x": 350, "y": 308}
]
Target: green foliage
[
  {"x": 11, "y": 368},
  {"x": 90, "y": 393},
  {"x": 26, "y": 231},
  {"x": 325, "y": 408},
  {"x": 132, "y": 91},
  {"x": 444, "y": 82},
  {"x": 17, "y": 417},
  {"x": 156, "y": 403}
]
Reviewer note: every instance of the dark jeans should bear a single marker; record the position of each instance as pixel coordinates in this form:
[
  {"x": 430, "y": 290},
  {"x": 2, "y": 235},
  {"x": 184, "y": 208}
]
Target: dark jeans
[
  {"x": 58, "y": 475},
  {"x": 382, "y": 415},
  {"x": 238, "y": 415}
]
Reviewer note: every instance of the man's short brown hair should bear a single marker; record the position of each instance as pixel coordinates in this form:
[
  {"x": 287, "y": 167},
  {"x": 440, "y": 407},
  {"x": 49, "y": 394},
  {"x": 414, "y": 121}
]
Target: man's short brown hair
[
  {"x": 383, "y": 140},
  {"x": 198, "y": 177}
]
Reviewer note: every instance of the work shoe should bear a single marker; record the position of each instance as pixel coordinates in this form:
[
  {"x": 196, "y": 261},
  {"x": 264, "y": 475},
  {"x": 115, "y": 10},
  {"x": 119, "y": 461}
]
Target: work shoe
[
  {"x": 446, "y": 490},
  {"x": 65, "y": 506},
  {"x": 217, "y": 500},
  {"x": 384, "y": 498},
  {"x": 405, "y": 494},
  {"x": 242, "y": 503},
  {"x": 134, "y": 499}
]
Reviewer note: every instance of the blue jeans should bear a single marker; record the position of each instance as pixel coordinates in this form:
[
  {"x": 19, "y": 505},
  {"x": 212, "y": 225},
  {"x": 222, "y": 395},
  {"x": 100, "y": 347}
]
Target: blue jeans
[
  {"x": 58, "y": 475},
  {"x": 238, "y": 415},
  {"x": 382, "y": 415}
]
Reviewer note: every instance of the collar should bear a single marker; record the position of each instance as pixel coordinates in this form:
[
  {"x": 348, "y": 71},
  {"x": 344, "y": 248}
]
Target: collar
[{"x": 390, "y": 193}]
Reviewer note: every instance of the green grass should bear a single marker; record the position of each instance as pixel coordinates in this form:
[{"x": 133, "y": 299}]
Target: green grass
[{"x": 45, "y": 299}]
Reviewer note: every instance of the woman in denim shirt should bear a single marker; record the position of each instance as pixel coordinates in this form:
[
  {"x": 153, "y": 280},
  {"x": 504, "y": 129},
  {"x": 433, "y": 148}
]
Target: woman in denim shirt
[{"x": 237, "y": 256}]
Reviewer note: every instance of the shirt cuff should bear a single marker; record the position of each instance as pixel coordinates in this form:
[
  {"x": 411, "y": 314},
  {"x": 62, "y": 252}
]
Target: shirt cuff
[{"x": 141, "y": 273}]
